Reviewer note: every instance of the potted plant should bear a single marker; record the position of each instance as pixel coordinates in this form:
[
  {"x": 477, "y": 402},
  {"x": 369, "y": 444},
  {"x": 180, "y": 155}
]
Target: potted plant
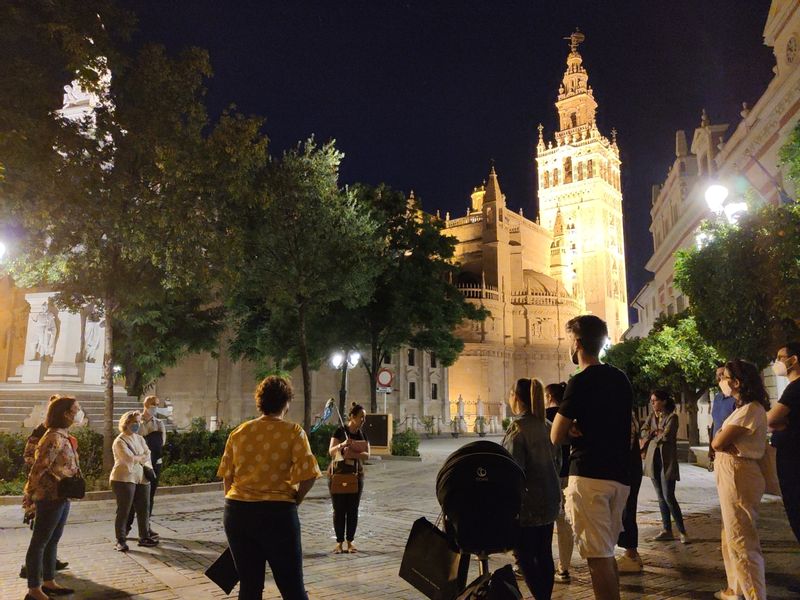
[
  {"x": 428, "y": 423},
  {"x": 480, "y": 426},
  {"x": 455, "y": 426}
]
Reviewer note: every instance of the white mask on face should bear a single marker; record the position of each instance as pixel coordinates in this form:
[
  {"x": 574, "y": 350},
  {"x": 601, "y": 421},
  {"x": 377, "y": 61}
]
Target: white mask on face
[
  {"x": 725, "y": 386},
  {"x": 79, "y": 417},
  {"x": 779, "y": 368},
  {"x": 151, "y": 411}
]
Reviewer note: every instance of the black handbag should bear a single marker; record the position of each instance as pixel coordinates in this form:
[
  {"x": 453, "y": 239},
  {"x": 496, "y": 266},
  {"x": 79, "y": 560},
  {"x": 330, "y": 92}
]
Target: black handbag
[
  {"x": 223, "y": 572},
  {"x": 500, "y": 585},
  {"x": 72, "y": 487},
  {"x": 149, "y": 473},
  {"x": 432, "y": 563}
]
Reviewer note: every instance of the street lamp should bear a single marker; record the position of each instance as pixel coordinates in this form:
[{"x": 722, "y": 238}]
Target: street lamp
[
  {"x": 2, "y": 250},
  {"x": 716, "y": 197},
  {"x": 344, "y": 361}
]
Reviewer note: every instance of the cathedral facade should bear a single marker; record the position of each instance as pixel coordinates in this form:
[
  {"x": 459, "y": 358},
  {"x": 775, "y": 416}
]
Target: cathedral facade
[{"x": 533, "y": 276}]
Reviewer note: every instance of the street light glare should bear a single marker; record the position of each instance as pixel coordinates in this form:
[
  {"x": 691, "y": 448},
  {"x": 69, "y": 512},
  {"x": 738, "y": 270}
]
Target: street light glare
[
  {"x": 716, "y": 194},
  {"x": 734, "y": 210},
  {"x": 337, "y": 359},
  {"x": 2, "y": 250},
  {"x": 353, "y": 358}
]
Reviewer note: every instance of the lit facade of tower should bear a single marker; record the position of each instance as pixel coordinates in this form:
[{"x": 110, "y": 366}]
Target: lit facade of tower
[{"x": 579, "y": 186}]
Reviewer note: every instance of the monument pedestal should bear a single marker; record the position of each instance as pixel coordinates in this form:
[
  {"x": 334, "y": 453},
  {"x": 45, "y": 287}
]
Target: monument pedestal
[
  {"x": 31, "y": 371},
  {"x": 93, "y": 374}
]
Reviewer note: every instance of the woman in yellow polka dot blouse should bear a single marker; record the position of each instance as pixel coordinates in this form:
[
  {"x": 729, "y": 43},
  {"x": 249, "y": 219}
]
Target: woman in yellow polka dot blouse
[{"x": 267, "y": 469}]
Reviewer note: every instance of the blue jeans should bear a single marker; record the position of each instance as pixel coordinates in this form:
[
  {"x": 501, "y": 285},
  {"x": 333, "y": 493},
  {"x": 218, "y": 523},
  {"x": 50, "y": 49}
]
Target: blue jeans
[
  {"x": 40, "y": 561},
  {"x": 265, "y": 532},
  {"x": 667, "y": 503}
]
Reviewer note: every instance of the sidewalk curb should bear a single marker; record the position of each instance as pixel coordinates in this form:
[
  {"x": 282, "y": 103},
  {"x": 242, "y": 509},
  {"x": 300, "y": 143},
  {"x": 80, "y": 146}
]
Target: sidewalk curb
[{"x": 167, "y": 490}]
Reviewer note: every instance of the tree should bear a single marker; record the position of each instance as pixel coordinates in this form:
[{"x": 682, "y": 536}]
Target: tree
[
  {"x": 310, "y": 247},
  {"x": 676, "y": 357},
  {"x": 126, "y": 217},
  {"x": 625, "y": 356},
  {"x": 745, "y": 281},
  {"x": 413, "y": 302}
]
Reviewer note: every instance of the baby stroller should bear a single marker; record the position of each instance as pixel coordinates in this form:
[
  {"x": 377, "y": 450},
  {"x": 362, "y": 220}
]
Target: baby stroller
[{"x": 479, "y": 488}]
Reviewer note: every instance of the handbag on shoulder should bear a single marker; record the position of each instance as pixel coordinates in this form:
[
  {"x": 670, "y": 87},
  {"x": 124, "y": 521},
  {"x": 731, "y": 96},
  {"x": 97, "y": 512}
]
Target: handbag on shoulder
[
  {"x": 73, "y": 487},
  {"x": 344, "y": 483}
]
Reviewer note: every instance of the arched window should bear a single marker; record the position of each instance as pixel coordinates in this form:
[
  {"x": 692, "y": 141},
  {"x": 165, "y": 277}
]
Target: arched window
[
  {"x": 546, "y": 180},
  {"x": 568, "y": 170},
  {"x": 580, "y": 171},
  {"x": 573, "y": 117},
  {"x": 555, "y": 177},
  {"x": 589, "y": 169}
]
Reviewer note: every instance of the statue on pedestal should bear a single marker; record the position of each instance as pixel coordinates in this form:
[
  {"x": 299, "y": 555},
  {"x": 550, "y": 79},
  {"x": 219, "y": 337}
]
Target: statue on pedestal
[
  {"x": 92, "y": 336},
  {"x": 43, "y": 324}
]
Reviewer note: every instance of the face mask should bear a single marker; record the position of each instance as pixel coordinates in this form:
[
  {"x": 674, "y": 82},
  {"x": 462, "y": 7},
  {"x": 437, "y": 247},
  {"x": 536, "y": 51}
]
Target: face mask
[
  {"x": 134, "y": 428},
  {"x": 725, "y": 386},
  {"x": 164, "y": 412},
  {"x": 79, "y": 417},
  {"x": 151, "y": 411},
  {"x": 779, "y": 368}
]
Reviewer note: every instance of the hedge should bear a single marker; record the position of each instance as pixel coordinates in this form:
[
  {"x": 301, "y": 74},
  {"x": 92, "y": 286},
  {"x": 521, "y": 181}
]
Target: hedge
[{"x": 405, "y": 443}]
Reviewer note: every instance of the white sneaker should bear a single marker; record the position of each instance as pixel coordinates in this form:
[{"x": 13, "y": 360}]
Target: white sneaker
[
  {"x": 626, "y": 564},
  {"x": 685, "y": 539}
]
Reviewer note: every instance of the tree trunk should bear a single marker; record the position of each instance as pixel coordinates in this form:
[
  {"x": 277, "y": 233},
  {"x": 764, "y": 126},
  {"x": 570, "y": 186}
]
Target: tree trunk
[
  {"x": 108, "y": 396},
  {"x": 302, "y": 346},
  {"x": 373, "y": 375},
  {"x": 690, "y": 405}
]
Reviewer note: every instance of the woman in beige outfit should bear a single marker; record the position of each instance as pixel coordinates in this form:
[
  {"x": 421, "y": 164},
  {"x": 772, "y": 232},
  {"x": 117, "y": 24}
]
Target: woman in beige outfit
[{"x": 739, "y": 445}]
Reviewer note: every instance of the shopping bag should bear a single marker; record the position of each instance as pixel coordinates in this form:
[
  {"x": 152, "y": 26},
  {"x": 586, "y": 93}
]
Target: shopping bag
[
  {"x": 223, "y": 572},
  {"x": 769, "y": 470},
  {"x": 431, "y": 562}
]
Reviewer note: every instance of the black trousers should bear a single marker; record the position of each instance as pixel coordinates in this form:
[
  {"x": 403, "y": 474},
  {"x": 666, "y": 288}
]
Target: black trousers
[
  {"x": 789, "y": 477},
  {"x": 265, "y": 532},
  {"x": 345, "y": 513},
  {"x": 629, "y": 537},
  {"x": 153, "y": 488},
  {"x": 534, "y": 553}
]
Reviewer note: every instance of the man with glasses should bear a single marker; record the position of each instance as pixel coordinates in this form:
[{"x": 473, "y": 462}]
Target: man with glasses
[{"x": 721, "y": 408}]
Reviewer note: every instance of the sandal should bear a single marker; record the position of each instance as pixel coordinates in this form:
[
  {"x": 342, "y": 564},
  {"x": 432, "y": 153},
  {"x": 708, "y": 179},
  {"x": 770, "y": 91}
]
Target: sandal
[
  {"x": 351, "y": 548},
  {"x": 338, "y": 549}
]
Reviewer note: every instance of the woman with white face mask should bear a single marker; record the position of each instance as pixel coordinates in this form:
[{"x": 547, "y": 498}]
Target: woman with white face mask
[
  {"x": 129, "y": 482},
  {"x": 740, "y": 444}
]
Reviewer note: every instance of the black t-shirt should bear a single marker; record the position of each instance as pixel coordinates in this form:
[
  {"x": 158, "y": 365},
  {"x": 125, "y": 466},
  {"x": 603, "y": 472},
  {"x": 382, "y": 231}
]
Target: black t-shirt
[
  {"x": 340, "y": 435},
  {"x": 551, "y": 414},
  {"x": 349, "y": 465},
  {"x": 790, "y": 437},
  {"x": 600, "y": 400}
]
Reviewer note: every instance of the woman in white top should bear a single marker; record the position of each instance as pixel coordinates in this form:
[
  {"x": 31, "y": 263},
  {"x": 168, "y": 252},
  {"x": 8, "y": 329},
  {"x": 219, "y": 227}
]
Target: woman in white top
[
  {"x": 739, "y": 445},
  {"x": 129, "y": 481}
]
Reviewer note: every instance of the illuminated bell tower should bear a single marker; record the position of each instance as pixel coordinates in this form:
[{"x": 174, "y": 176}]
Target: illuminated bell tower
[{"x": 579, "y": 181}]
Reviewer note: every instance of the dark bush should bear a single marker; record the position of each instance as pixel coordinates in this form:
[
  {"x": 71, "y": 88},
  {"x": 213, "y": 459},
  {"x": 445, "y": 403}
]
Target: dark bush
[
  {"x": 405, "y": 443},
  {"x": 12, "y": 465},
  {"x": 198, "y": 471},
  {"x": 195, "y": 444},
  {"x": 90, "y": 450}
]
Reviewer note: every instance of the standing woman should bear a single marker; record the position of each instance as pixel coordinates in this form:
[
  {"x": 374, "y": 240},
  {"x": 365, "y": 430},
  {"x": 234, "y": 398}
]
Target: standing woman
[
  {"x": 345, "y": 506},
  {"x": 56, "y": 458},
  {"x": 267, "y": 469},
  {"x": 739, "y": 445},
  {"x": 553, "y": 394},
  {"x": 661, "y": 462},
  {"x": 528, "y": 441},
  {"x": 129, "y": 482}
]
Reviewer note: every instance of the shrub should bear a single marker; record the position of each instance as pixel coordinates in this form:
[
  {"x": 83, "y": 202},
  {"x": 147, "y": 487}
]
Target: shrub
[
  {"x": 198, "y": 471},
  {"x": 90, "y": 450},
  {"x": 195, "y": 444},
  {"x": 405, "y": 444},
  {"x": 12, "y": 465},
  {"x": 320, "y": 441},
  {"x": 13, "y": 487}
]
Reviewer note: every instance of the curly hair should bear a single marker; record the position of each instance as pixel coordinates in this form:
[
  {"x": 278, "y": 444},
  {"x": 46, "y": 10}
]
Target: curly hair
[
  {"x": 273, "y": 394},
  {"x": 751, "y": 386}
]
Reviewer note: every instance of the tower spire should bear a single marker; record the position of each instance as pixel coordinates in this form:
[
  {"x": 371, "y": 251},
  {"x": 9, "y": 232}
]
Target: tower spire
[{"x": 576, "y": 104}]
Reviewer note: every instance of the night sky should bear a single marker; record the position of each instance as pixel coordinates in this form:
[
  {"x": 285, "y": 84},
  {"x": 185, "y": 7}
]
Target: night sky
[{"x": 422, "y": 94}]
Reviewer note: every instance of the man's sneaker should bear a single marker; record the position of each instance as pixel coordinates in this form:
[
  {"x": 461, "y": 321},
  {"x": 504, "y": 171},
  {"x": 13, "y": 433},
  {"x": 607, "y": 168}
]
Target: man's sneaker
[
  {"x": 685, "y": 539},
  {"x": 148, "y": 542},
  {"x": 61, "y": 565},
  {"x": 153, "y": 535},
  {"x": 562, "y": 577},
  {"x": 626, "y": 564},
  {"x": 664, "y": 536},
  {"x": 518, "y": 573},
  {"x": 121, "y": 546}
]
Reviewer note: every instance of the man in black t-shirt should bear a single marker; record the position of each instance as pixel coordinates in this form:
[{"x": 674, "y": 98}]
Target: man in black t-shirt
[
  {"x": 784, "y": 421},
  {"x": 595, "y": 415}
]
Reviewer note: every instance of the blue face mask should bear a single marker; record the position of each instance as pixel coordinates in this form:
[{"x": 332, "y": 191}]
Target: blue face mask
[{"x": 134, "y": 427}]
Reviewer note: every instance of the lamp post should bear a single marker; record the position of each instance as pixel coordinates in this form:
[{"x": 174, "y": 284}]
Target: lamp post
[
  {"x": 717, "y": 199},
  {"x": 344, "y": 361}
]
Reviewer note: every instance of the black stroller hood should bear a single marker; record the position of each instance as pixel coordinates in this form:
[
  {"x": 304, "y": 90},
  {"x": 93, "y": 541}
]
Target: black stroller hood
[{"x": 479, "y": 488}]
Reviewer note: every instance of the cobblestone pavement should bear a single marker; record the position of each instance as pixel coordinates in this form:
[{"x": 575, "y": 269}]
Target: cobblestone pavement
[{"x": 396, "y": 493}]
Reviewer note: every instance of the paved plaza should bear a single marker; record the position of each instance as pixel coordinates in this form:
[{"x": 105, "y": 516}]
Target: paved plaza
[{"x": 396, "y": 493}]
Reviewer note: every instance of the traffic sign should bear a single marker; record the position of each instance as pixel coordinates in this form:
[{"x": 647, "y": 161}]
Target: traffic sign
[{"x": 385, "y": 378}]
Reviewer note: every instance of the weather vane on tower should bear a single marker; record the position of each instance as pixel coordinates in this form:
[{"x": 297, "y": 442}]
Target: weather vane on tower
[{"x": 574, "y": 39}]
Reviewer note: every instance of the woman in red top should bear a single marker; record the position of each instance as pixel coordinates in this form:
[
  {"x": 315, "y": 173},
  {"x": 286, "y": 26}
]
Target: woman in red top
[{"x": 56, "y": 458}]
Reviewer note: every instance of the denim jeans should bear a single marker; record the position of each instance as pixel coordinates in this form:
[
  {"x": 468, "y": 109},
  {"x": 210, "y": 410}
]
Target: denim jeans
[
  {"x": 265, "y": 532},
  {"x": 534, "y": 552},
  {"x": 667, "y": 503},
  {"x": 345, "y": 513},
  {"x": 40, "y": 561}
]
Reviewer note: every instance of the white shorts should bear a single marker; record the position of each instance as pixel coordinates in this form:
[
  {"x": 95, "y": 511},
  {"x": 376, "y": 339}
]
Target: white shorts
[{"x": 594, "y": 509}]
